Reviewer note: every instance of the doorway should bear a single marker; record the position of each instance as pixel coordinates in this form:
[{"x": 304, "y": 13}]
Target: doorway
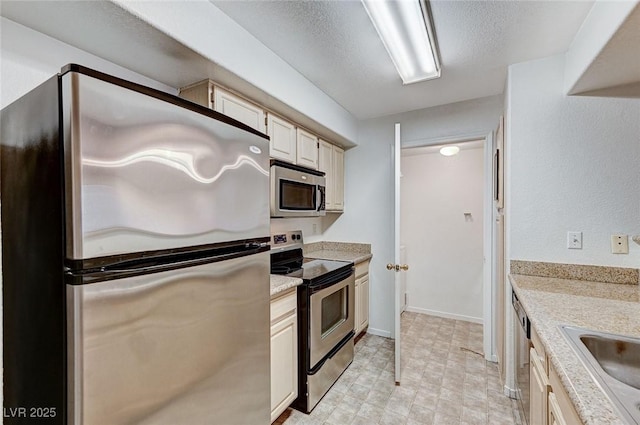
[
  {"x": 442, "y": 217},
  {"x": 483, "y": 214}
]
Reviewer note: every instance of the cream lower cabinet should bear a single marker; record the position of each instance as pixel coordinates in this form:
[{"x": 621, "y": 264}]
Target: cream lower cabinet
[
  {"x": 284, "y": 352},
  {"x": 538, "y": 381},
  {"x": 362, "y": 297},
  {"x": 549, "y": 402},
  {"x": 561, "y": 410},
  {"x": 538, "y": 390}
]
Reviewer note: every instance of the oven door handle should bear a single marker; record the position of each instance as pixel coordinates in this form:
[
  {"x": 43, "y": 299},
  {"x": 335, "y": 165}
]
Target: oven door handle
[
  {"x": 332, "y": 353},
  {"x": 332, "y": 281}
]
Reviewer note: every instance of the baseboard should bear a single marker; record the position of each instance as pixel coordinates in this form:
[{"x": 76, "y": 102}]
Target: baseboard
[
  {"x": 446, "y": 315},
  {"x": 510, "y": 392},
  {"x": 379, "y": 332}
]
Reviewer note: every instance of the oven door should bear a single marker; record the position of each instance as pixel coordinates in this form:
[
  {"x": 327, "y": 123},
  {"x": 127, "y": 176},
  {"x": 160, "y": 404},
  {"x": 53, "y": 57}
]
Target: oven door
[{"x": 332, "y": 311}]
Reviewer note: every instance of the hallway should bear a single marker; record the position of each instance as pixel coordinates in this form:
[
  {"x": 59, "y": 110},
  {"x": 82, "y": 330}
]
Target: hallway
[{"x": 444, "y": 381}]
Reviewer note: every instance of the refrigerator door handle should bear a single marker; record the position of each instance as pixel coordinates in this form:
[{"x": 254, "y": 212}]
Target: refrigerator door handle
[{"x": 138, "y": 267}]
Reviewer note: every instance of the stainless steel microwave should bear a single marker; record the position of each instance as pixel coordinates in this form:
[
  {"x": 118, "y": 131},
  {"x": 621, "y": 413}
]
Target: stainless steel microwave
[{"x": 296, "y": 191}]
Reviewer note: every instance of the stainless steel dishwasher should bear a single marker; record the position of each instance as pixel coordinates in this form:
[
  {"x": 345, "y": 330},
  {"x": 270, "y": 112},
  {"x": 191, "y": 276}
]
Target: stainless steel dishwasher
[{"x": 522, "y": 346}]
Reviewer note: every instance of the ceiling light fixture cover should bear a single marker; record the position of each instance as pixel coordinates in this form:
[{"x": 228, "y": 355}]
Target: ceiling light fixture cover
[
  {"x": 407, "y": 34},
  {"x": 449, "y": 150}
]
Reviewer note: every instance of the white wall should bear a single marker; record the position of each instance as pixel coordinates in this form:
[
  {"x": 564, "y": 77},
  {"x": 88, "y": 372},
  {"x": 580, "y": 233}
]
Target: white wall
[
  {"x": 468, "y": 120},
  {"x": 235, "y": 49},
  {"x": 369, "y": 191},
  {"x": 28, "y": 58},
  {"x": 444, "y": 248},
  {"x": 368, "y": 216},
  {"x": 573, "y": 165}
]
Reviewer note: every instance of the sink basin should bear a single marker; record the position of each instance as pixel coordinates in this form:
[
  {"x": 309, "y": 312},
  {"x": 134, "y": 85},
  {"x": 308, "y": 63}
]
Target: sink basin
[
  {"x": 614, "y": 362},
  {"x": 620, "y": 358}
]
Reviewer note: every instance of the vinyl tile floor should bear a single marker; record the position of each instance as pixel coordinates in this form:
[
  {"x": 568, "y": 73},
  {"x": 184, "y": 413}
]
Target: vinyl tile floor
[{"x": 445, "y": 381}]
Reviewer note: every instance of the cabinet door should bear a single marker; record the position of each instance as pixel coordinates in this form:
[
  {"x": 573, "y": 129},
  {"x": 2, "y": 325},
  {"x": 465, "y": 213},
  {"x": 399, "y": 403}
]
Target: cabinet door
[
  {"x": 364, "y": 302},
  {"x": 284, "y": 364},
  {"x": 555, "y": 414},
  {"x": 307, "y": 149},
  {"x": 338, "y": 179},
  {"x": 239, "y": 109},
  {"x": 561, "y": 408},
  {"x": 200, "y": 93},
  {"x": 356, "y": 321},
  {"x": 325, "y": 164},
  {"x": 538, "y": 390},
  {"x": 283, "y": 138}
]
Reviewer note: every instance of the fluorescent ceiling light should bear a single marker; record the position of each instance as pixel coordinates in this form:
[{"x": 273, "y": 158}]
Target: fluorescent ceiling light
[
  {"x": 449, "y": 150},
  {"x": 406, "y": 32}
]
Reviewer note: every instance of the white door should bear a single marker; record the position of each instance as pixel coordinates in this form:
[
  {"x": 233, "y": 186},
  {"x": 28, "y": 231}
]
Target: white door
[
  {"x": 403, "y": 280},
  {"x": 396, "y": 267}
]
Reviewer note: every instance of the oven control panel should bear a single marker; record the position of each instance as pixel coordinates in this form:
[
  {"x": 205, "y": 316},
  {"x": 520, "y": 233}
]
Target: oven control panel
[{"x": 286, "y": 240}]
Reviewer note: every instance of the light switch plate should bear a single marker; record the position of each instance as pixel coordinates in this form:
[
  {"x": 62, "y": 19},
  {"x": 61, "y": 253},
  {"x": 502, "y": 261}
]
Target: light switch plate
[
  {"x": 574, "y": 240},
  {"x": 619, "y": 244}
]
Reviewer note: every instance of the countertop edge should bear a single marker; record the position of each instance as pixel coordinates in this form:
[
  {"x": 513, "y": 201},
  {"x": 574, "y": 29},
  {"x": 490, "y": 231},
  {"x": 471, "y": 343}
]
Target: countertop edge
[
  {"x": 280, "y": 284},
  {"x": 355, "y": 257},
  {"x": 567, "y": 366}
]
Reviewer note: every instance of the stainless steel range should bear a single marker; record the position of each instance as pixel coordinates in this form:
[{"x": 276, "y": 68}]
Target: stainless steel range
[{"x": 326, "y": 312}]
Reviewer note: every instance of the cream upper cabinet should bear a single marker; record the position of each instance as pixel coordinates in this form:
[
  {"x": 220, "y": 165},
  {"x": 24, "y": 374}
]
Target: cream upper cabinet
[
  {"x": 325, "y": 164},
  {"x": 331, "y": 162},
  {"x": 236, "y": 107},
  {"x": 200, "y": 93},
  {"x": 307, "y": 149},
  {"x": 283, "y": 138},
  {"x": 338, "y": 179},
  {"x": 284, "y": 352},
  {"x": 207, "y": 94}
]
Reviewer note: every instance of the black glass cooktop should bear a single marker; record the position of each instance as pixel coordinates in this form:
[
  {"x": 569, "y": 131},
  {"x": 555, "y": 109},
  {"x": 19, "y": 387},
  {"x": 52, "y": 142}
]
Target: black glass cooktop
[{"x": 312, "y": 270}]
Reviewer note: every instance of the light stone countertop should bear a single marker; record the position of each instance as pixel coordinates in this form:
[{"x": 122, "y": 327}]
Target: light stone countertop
[
  {"x": 608, "y": 307},
  {"x": 340, "y": 251},
  {"x": 326, "y": 254},
  {"x": 280, "y": 284}
]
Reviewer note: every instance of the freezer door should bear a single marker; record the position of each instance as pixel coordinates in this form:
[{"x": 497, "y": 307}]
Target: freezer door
[
  {"x": 187, "y": 346},
  {"x": 143, "y": 174}
]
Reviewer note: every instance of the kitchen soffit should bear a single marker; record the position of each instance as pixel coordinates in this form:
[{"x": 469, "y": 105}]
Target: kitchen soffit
[
  {"x": 335, "y": 46},
  {"x": 103, "y": 28}
]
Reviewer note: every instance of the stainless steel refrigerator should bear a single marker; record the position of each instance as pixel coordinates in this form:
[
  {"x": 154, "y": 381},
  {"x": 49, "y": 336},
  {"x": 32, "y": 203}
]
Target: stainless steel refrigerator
[{"x": 135, "y": 258}]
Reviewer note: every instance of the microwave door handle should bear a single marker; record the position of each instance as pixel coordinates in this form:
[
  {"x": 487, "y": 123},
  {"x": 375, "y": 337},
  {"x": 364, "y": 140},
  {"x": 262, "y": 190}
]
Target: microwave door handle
[{"x": 320, "y": 197}]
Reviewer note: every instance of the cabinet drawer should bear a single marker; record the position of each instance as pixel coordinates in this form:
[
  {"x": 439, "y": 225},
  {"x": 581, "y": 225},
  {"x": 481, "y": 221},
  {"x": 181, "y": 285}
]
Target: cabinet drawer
[
  {"x": 284, "y": 305},
  {"x": 542, "y": 355},
  {"x": 362, "y": 268}
]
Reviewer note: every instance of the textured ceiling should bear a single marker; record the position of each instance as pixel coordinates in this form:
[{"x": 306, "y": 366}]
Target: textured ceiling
[{"x": 334, "y": 45}]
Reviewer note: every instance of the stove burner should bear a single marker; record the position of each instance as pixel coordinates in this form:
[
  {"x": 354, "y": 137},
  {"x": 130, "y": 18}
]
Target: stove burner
[{"x": 284, "y": 269}]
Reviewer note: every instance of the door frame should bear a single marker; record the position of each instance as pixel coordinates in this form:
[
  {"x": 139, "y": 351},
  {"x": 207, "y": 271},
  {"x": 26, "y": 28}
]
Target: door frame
[{"x": 489, "y": 288}]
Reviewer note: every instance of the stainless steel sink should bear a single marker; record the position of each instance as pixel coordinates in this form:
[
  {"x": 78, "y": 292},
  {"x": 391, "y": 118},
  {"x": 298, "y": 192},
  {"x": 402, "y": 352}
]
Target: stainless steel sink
[{"x": 614, "y": 362}]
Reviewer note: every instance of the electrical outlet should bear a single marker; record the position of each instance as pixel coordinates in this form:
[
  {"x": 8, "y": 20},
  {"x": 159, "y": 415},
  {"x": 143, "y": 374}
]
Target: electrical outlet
[
  {"x": 315, "y": 228},
  {"x": 574, "y": 240},
  {"x": 619, "y": 244}
]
